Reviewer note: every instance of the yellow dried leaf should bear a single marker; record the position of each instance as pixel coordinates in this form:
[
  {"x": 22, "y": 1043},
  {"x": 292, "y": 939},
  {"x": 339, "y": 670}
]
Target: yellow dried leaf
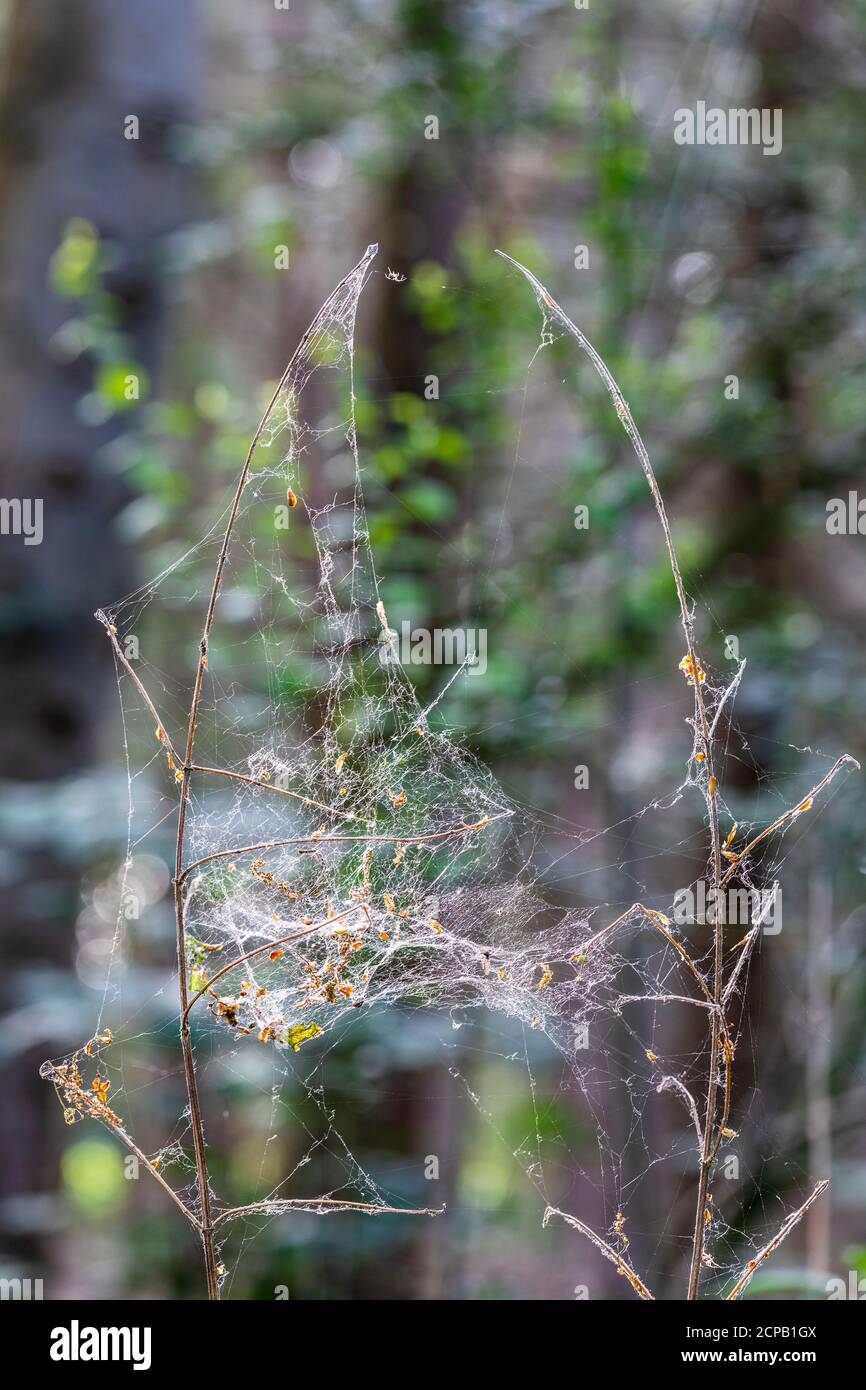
[
  {"x": 301, "y": 1033},
  {"x": 687, "y": 666},
  {"x": 546, "y": 976},
  {"x": 291, "y": 498},
  {"x": 338, "y": 765},
  {"x": 101, "y": 1085}
]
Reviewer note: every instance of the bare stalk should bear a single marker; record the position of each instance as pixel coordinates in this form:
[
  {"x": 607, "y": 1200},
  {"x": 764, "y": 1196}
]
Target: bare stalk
[
  {"x": 322, "y": 1205},
  {"x": 705, "y": 738},
  {"x": 793, "y": 1220},
  {"x": 608, "y": 1251},
  {"x": 716, "y": 997},
  {"x": 325, "y": 840},
  {"x": 186, "y": 1044}
]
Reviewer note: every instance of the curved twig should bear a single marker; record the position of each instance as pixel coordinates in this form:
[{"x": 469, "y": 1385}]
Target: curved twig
[
  {"x": 609, "y": 1253},
  {"x": 269, "y": 946}
]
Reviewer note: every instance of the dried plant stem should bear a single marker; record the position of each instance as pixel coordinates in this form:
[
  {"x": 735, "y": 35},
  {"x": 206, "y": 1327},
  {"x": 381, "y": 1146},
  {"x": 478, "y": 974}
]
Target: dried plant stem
[
  {"x": 799, "y": 809},
  {"x": 705, "y": 739},
  {"x": 716, "y": 996},
  {"x": 186, "y": 1043},
  {"x": 793, "y": 1220},
  {"x": 269, "y": 787},
  {"x": 325, "y": 840},
  {"x": 155, "y": 1173},
  {"x": 322, "y": 1205},
  {"x": 608, "y": 1251},
  {"x": 269, "y": 946}
]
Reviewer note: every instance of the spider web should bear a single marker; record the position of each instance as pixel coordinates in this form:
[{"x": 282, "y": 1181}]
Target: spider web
[{"x": 345, "y": 853}]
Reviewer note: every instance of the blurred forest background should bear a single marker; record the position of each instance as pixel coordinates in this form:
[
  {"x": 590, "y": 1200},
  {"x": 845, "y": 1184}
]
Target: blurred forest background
[{"x": 263, "y": 128}]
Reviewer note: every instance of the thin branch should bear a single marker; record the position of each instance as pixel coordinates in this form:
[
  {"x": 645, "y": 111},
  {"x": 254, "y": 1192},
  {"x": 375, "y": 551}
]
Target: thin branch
[
  {"x": 655, "y": 920},
  {"x": 673, "y": 1083},
  {"x": 731, "y": 690},
  {"x": 269, "y": 946},
  {"x": 609, "y": 1253},
  {"x": 799, "y": 809},
  {"x": 709, "y": 786},
  {"x": 111, "y": 631},
  {"x": 130, "y": 1143},
  {"x": 186, "y": 1044},
  {"x": 745, "y": 953},
  {"x": 270, "y": 787},
  {"x": 155, "y": 1173},
  {"x": 321, "y": 1205},
  {"x": 344, "y": 839},
  {"x": 668, "y": 999},
  {"x": 793, "y": 1220}
]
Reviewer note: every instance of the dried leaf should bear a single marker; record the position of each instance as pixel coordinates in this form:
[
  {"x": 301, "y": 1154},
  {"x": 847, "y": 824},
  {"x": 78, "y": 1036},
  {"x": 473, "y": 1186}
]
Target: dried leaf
[{"x": 301, "y": 1033}]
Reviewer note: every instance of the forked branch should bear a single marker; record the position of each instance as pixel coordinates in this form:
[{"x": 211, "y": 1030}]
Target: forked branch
[{"x": 715, "y": 995}]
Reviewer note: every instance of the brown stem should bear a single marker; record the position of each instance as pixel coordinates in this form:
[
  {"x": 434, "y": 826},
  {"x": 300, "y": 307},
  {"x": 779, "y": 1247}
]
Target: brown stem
[
  {"x": 269, "y": 946},
  {"x": 792, "y": 811},
  {"x": 608, "y": 1251},
  {"x": 343, "y": 839},
  {"x": 268, "y": 787},
  {"x": 322, "y": 1204},
  {"x": 705, "y": 738},
  {"x": 111, "y": 630},
  {"x": 705, "y": 735},
  {"x": 793, "y": 1220},
  {"x": 185, "y": 1041}
]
